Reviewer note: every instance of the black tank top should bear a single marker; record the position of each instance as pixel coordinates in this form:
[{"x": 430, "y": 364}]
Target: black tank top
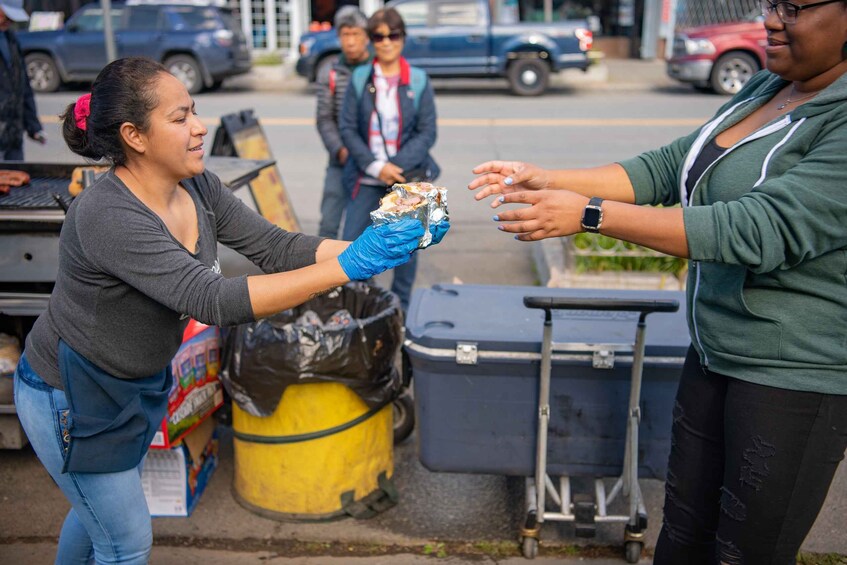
[{"x": 708, "y": 155}]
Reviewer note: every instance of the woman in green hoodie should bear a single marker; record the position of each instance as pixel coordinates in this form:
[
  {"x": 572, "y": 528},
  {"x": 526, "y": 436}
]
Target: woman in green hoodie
[{"x": 760, "y": 422}]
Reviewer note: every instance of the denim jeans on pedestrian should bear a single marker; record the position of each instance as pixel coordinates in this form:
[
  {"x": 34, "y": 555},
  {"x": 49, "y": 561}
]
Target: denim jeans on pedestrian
[
  {"x": 333, "y": 202},
  {"x": 358, "y": 219},
  {"x": 109, "y": 521},
  {"x": 749, "y": 469},
  {"x": 12, "y": 153}
]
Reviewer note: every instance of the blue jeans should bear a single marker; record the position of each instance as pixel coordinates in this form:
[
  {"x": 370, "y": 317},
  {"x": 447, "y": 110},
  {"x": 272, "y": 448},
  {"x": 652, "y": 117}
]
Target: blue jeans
[
  {"x": 333, "y": 202},
  {"x": 358, "y": 219},
  {"x": 109, "y": 521},
  {"x": 13, "y": 153}
]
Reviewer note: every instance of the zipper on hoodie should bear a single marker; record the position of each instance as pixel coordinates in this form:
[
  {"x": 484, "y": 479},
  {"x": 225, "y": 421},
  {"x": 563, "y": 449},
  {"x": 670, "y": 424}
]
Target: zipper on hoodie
[{"x": 700, "y": 141}]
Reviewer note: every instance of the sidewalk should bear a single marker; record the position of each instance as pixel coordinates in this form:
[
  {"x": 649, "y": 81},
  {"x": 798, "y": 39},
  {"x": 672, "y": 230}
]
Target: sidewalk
[{"x": 612, "y": 74}]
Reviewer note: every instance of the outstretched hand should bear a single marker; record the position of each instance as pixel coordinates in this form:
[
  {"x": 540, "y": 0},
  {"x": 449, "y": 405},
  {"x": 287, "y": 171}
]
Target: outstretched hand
[
  {"x": 551, "y": 213},
  {"x": 380, "y": 248},
  {"x": 507, "y": 177}
]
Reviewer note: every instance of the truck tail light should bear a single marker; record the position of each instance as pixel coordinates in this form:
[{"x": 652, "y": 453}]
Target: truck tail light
[
  {"x": 223, "y": 37},
  {"x": 586, "y": 38}
]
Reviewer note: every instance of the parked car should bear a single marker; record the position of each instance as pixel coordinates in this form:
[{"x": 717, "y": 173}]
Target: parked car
[
  {"x": 720, "y": 57},
  {"x": 457, "y": 38},
  {"x": 200, "y": 45}
]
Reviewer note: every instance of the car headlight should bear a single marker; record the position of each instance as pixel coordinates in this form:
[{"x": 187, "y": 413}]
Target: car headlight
[{"x": 699, "y": 46}]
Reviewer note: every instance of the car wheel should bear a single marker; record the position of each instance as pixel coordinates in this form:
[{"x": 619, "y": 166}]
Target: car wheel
[
  {"x": 732, "y": 71},
  {"x": 186, "y": 69},
  {"x": 325, "y": 64},
  {"x": 528, "y": 77},
  {"x": 42, "y": 72}
]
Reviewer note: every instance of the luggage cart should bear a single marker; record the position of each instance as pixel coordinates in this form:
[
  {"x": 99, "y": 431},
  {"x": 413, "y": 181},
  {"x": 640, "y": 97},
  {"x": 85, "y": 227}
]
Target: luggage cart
[{"x": 584, "y": 511}]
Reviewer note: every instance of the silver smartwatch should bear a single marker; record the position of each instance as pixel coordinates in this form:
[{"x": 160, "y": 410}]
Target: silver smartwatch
[{"x": 592, "y": 215}]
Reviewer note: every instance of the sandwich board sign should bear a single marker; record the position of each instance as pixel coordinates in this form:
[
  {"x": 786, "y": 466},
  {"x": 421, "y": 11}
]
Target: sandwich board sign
[{"x": 241, "y": 135}]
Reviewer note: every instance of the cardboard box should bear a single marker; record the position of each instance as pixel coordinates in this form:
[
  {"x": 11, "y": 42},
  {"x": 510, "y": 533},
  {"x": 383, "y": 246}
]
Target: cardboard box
[
  {"x": 196, "y": 391},
  {"x": 173, "y": 479}
]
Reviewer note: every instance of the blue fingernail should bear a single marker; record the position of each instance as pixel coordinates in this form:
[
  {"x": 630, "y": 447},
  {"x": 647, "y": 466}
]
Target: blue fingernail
[
  {"x": 508, "y": 181},
  {"x": 502, "y": 199},
  {"x": 496, "y": 218},
  {"x": 517, "y": 237},
  {"x": 501, "y": 228}
]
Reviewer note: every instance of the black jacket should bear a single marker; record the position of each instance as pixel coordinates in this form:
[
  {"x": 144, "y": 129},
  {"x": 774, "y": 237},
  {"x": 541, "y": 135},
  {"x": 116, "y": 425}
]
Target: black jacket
[{"x": 17, "y": 105}]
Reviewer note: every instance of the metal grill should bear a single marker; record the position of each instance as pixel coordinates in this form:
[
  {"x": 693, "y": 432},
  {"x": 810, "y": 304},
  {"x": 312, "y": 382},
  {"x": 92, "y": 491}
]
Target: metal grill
[
  {"x": 38, "y": 194},
  {"x": 692, "y": 13}
]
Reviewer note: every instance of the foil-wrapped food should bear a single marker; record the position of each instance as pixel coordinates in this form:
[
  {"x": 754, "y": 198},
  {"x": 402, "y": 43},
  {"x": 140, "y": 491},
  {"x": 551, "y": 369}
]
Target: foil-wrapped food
[{"x": 414, "y": 200}]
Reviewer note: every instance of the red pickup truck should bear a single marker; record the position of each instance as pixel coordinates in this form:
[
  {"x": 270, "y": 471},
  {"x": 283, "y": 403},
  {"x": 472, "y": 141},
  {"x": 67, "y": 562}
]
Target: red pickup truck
[{"x": 719, "y": 57}]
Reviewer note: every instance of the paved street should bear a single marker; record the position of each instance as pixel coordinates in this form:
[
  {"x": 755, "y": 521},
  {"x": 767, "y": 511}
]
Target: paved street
[{"x": 475, "y": 517}]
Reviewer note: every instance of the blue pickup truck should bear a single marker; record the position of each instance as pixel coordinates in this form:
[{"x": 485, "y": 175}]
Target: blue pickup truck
[{"x": 457, "y": 38}]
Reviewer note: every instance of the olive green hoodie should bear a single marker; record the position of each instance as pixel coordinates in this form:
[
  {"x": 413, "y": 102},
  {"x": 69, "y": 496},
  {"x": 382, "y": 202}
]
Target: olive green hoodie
[{"x": 767, "y": 237}]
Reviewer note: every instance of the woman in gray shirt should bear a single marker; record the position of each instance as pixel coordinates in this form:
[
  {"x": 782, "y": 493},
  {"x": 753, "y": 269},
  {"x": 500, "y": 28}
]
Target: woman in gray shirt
[{"x": 138, "y": 257}]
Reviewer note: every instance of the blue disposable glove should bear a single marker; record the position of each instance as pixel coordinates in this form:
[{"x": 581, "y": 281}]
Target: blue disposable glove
[
  {"x": 380, "y": 248},
  {"x": 438, "y": 230}
]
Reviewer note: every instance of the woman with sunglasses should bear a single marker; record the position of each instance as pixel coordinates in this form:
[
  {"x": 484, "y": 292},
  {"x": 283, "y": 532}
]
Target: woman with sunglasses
[
  {"x": 388, "y": 125},
  {"x": 760, "y": 422}
]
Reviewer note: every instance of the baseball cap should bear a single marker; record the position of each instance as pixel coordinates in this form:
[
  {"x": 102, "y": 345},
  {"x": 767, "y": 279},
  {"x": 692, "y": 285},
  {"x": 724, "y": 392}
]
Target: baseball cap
[{"x": 14, "y": 10}]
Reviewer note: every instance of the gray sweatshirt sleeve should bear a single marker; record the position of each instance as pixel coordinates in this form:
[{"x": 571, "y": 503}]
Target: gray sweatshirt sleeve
[{"x": 268, "y": 246}]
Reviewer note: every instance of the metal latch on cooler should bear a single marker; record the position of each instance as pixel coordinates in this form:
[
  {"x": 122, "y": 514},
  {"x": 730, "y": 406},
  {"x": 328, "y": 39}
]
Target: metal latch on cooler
[
  {"x": 466, "y": 353},
  {"x": 603, "y": 359}
]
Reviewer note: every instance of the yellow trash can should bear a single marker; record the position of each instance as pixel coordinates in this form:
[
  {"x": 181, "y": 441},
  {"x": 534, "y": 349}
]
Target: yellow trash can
[{"x": 323, "y": 454}]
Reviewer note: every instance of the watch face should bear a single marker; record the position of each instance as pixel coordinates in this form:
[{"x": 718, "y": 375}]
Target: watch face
[{"x": 591, "y": 217}]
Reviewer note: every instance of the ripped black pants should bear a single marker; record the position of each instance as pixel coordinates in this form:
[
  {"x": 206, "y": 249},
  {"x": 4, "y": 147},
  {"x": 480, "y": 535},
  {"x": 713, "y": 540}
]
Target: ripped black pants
[{"x": 749, "y": 469}]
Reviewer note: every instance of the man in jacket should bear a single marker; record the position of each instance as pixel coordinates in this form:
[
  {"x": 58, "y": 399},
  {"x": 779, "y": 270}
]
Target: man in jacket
[
  {"x": 351, "y": 26},
  {"x": 17, "y": 105}
]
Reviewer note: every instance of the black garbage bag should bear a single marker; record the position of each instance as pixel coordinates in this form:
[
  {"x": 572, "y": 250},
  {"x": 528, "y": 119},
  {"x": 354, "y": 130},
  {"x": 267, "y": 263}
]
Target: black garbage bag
[{"x": 350, "y": 336}]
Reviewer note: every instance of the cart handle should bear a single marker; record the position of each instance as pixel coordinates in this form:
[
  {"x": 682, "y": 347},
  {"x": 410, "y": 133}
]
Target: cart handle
[{"x": 644, "y": 306}]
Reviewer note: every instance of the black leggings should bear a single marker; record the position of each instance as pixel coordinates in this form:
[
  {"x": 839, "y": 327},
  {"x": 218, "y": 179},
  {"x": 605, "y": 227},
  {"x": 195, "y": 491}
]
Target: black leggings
[{"x": 749, "y": 469}]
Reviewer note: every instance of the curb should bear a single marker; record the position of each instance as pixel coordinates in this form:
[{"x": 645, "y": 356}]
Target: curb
[{"x": 617, "y": 76}]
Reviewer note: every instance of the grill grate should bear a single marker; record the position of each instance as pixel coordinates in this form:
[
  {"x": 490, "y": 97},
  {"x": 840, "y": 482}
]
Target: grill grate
[{"x": 38, "y": 194}]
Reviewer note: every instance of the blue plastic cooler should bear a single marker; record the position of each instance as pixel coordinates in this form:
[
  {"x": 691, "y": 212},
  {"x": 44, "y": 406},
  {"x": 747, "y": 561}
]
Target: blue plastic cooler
[{"x": 474, "y": 352}]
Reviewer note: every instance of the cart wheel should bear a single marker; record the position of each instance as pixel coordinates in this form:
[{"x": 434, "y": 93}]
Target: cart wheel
[
  {"x": 633, "y": 551},
  {"x": 404, "y": 417},
  {"x": 530, "y": 547}
]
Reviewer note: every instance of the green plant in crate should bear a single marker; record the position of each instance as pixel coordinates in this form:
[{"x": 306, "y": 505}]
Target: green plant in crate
[{"x": 599, "y": 253}]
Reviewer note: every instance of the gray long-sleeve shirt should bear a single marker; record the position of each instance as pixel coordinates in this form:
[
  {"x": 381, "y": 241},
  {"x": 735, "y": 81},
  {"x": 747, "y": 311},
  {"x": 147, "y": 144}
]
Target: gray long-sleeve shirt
[{"x": 126, "y": 286}]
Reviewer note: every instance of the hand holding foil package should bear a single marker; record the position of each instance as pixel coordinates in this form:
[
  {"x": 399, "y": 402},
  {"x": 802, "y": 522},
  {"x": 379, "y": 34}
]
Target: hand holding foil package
[{"x": 415, "y": 200}]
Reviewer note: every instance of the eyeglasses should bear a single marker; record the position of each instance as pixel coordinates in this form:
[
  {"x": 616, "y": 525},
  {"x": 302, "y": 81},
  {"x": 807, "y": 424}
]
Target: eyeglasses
[
  {"x": 393, "y": 36},
  {"x": 787, "y": 11}
]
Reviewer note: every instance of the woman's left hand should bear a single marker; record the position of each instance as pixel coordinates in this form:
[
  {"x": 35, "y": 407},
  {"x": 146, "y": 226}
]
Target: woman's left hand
[{"x": 551, "y": 213}]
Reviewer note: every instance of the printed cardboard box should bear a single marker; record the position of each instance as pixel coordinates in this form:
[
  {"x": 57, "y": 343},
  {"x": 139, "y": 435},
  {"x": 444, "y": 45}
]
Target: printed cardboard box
[
  {"x": 173, "y": 479},
  {"x": 196, "y": 392}
]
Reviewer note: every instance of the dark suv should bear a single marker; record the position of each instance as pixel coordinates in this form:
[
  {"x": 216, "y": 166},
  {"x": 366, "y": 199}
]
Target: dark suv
[{"x": 200, "y": 45}]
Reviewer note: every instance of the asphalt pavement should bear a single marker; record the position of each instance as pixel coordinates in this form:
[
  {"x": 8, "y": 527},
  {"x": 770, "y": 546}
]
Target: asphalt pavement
[{"x": 441, "y": 517}]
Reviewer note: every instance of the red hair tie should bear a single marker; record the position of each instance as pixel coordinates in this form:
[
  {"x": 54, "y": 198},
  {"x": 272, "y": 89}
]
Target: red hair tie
[{"x": 82, "y": 109}]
